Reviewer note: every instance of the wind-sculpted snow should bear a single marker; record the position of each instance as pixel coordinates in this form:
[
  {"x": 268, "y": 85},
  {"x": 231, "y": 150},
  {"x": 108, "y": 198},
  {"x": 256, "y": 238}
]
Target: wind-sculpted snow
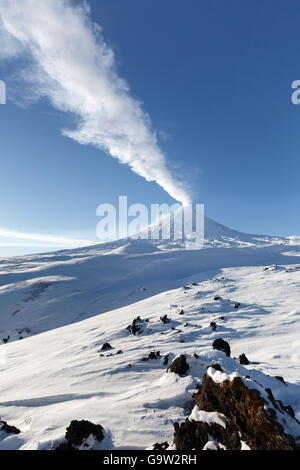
[
  {"x": 68, "y": 305},
  {"x": 62, "y": 375}
]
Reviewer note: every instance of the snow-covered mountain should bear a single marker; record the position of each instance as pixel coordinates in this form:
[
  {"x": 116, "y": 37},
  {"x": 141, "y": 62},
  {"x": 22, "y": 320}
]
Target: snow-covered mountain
[{"x": 65, "y": 306}]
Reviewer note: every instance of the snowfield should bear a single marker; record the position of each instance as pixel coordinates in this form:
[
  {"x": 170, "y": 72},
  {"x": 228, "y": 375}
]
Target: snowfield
[{"x": 58, "y": 310}]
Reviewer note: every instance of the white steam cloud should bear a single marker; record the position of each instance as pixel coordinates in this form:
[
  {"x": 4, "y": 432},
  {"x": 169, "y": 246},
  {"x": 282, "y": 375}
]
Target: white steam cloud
[{"x": 73, "y": 66}]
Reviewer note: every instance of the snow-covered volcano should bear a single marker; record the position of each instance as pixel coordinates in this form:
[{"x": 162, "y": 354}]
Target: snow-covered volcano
[
  {"x": 46, "y": 291},
  {"x": 66, "y": 305}
]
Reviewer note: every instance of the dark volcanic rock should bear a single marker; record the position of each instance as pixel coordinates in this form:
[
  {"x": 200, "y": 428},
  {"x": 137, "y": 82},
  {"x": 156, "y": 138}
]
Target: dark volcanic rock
[
  {"x": 192, "y": 435},
  {"x": 244, "y": 360},
  {"x": 137, "y": 326},
  {"x": 222, "y": 345},
  {"x": 8, "y": 428},
  {"x": 152, "y": 355},
  {"x": 217, "y": 297},
  {"x": 179, "y": 365},
  {"x": 216, "y": 367},
  {"x": 78, "y": 431},
  {"x": 248, "y": 419},
  {"x": 106, "y": 346},
  {"x": 166, "y": 359},
  {"x": 160, "y": 447},
  {"x": 213, "y": 325},
  {"x": 165, "y": 319}
]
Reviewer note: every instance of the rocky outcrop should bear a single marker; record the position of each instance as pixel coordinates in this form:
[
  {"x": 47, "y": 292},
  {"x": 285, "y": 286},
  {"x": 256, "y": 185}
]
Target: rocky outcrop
[
  {"x": 250, "y": 418},
  {"x": 196, "y": 434},
  {"x": 8, "y": 428},
  {"x": 77, "y": 434}
]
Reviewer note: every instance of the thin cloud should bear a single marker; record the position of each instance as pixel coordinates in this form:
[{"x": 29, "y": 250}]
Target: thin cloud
[
  {"x": 43, "y": 240},
  {"x": 76, "y": 70}
]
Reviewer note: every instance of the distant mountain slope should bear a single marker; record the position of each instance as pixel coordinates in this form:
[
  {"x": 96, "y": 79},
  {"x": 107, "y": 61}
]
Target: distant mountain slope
[{"x": 43, "y": 292}]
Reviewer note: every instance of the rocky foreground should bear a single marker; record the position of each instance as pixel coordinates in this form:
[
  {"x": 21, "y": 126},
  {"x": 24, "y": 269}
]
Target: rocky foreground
[{"x": 229, "y": 411}]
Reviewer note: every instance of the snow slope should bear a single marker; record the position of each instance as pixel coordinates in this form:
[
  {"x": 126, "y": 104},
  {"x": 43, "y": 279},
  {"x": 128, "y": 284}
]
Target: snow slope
[
  {"x": 70, "y": 303},
  {"x": 42, "y": 292}
]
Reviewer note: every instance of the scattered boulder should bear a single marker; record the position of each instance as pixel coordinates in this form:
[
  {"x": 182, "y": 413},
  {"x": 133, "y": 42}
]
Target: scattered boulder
[
  {"x": 237, "y": 305},
  {"x": 248, "y": 418},
  {"x": 8, "y": 428},
  {"x": 106, "y": 346},
  {"x": 152, "y": 355},
  {"x": 5, "y": 340},
  {"x": 181, "y": 312},
  {"x": 244, "y": 360},
  {"x": 213, "y": 326},
  {"x": 217, "y": 297},
  {"x": 166, "y": 360},
  {"x": 222, "y": 345},
  {"x": 137, "y": 326},
  {"x": 165, "y": 319},
  {"x": 179, "y": 365},
  {"x": 161, "y": 447},
  {"x": 78, "y": 432}
]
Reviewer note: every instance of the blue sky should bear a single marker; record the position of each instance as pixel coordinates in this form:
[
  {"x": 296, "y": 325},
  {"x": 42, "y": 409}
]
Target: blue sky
[{"x": 215, "y": 78}]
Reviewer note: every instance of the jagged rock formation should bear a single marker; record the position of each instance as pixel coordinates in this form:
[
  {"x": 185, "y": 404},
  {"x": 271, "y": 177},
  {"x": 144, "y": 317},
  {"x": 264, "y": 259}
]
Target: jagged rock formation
[
  {"x": 233, "y": 415},
  {"x": 137, "y": 326}
]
